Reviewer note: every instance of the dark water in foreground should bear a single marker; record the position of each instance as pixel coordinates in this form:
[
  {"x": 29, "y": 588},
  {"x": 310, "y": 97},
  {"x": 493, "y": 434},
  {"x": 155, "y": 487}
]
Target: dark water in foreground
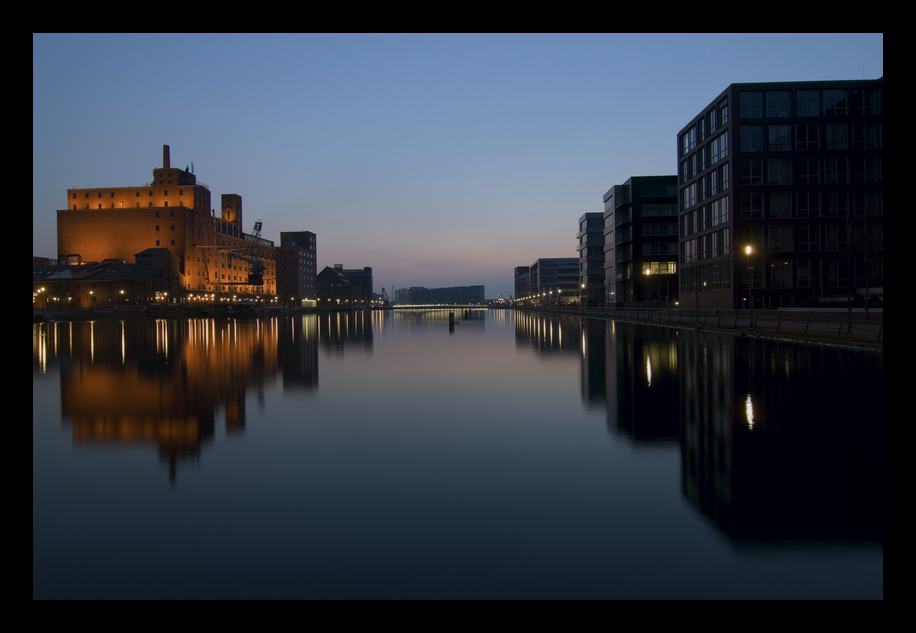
[{"x": 382, "y": 456}]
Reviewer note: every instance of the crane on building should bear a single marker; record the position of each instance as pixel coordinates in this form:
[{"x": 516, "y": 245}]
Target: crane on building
[{"x": 257, "y": 269}]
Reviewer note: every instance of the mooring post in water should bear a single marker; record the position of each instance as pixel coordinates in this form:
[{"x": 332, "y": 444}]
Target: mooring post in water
[{"x": 451, "y": 318}]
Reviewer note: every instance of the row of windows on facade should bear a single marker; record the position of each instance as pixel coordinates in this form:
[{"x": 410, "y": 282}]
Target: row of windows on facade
[
  {"x": 785, "y": 274},
  {"x": 779, "y": 238},
  {"x": 785, "y": 205},
  {"x": 776, "y": 104},
  {"x": 783, "y": 138},
  {"x": 808, "y": 103},
  {"x": 165, "y": 192},
  {"x": 624, "y": 252},
  {"x": 625, "y": 216},
  {"x": 785, "y": 171}
]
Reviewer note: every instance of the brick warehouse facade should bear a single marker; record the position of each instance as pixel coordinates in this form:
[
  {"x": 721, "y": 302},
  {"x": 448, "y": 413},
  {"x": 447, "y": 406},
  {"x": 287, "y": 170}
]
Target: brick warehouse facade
[{"x": 215, "y": 256}]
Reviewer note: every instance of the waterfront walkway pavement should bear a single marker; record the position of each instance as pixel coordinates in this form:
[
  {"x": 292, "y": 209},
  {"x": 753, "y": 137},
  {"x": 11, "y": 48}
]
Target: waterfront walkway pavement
[{"x": 835, "y": 328}]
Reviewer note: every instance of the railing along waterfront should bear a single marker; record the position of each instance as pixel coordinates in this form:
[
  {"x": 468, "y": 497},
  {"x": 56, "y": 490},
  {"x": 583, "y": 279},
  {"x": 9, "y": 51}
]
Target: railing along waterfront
[{"x": 835, "y": 324}]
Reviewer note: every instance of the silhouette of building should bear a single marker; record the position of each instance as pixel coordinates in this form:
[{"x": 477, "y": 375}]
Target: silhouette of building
[
  {"x": 107, "y": 284},
  {"x": 297, "y": 279},
  {"x": 551, "y": 280},
  {"x": 795, "y": 172},
  {"x": 591, "y": 259},
  {"x": 640, "y": 242},
  {"x": 452, "y": 295}
]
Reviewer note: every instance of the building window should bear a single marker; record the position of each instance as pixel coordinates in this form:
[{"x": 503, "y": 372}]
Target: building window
[
  {"x": 836, "y": 170},
  {"x": 778, "y": 103},
  {"x": 751, "y": 138},
  {"x": 806, "y": 137},
  {"x": 808, "y": 204},
  {"x": 779, "y": 139},
  {"x": 688, "y": 141},
  {"x": 779, "y": 171},
  {"x": 752, "y": 206},
  {"x": 722, "y": 107},
  {"x": 835, "y": 136},
  {"x": 864, "y": 136},
  {"x": 750, "y": 105},
  {"x": 779, "y": 239},
  {"x": 863, "y": 102},
  {"x": 807, "y": 103},
  {"x": 781, "y": 204},
  {"x": 835, "y": 102},
  {"x": 837, "y": 204},
  {"x": 809, "y": 238},
  {"x": 752, "y": 171},
  {"x": 808, "y": 171}
]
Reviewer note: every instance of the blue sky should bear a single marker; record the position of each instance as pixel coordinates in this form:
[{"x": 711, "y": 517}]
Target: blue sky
[{"x": 438, "y": 160}]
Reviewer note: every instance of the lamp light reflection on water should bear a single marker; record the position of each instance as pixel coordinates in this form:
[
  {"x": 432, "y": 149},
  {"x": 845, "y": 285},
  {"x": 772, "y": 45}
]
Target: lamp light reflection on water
[
  {"x": 749, "y": 412},
  {"x": 649, "y": 369}
]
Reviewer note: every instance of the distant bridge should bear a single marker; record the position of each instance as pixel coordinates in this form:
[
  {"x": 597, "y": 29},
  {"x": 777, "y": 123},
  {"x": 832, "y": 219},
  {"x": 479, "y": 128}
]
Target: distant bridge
[{"x": 436, "y": 307}]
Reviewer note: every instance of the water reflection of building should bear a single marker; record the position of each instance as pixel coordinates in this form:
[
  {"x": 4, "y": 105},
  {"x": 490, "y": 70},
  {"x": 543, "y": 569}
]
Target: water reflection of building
[
  {"x": 339, "y": 330},
  {"x": 782, "y": 441},
  {"x": 548, "y": 333},
  {"x": 632, "y": 371},
  {"x": 778, "y": 441},
  {"x": 297, "y": 352},
  {"x": 159, "y": 382}
]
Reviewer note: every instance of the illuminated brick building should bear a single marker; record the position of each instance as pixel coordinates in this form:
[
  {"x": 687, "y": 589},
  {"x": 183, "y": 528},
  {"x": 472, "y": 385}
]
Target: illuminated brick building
[{"x": 216, "y": 257}]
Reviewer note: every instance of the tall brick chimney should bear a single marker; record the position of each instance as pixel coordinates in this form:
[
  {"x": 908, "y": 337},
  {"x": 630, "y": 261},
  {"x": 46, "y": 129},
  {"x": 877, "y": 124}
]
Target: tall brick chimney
[{"x": 165, "y": 156}]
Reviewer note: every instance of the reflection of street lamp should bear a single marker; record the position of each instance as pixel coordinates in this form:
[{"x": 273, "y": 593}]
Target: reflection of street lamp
[{"x": 750, "y": 301}]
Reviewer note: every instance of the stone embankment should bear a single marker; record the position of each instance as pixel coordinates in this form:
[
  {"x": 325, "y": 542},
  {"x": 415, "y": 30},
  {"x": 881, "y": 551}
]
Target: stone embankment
[{"x": 835, "y": 328}]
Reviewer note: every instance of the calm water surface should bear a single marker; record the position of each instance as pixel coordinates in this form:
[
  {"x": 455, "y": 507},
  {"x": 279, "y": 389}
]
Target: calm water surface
[{"x": 516, "y": 456}]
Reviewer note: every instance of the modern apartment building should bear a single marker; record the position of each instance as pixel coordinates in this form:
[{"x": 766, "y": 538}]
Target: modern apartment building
[
  {"x": 552, "y": 280},
  {"x": 521, "y": 282},
  {"x": 591, "y": 259},
  {"x": 641, "y": 242},
  {"x": 781, "y": 194}
]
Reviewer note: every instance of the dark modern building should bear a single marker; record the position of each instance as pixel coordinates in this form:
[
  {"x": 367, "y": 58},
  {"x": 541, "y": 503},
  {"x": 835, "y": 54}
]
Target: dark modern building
[
  {"x": 591, "y": 259},
  {"x": 641, "y": 242},
  {"x": 452, "y": 295},
  {"x": 297, "y": 278},
  {"x": 552, "y": 280},
  {"x": 521, "y": 282},
  {"x": 781, "y": 194}
]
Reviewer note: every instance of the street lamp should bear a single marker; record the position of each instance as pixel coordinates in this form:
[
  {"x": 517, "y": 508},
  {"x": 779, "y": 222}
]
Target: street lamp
[{"x": 750, "y": 301}]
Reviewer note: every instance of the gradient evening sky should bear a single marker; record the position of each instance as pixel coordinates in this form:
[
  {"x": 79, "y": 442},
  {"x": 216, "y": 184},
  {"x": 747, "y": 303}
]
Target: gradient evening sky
[{"x": 439, "y": 160}]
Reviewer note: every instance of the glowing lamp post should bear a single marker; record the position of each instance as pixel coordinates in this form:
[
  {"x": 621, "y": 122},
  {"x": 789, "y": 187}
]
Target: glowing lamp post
[{"x": 750, "y": 301}]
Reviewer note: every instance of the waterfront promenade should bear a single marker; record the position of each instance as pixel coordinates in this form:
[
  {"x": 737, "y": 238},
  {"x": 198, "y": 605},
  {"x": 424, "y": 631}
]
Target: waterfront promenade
[{"x": 834, "y": 328}]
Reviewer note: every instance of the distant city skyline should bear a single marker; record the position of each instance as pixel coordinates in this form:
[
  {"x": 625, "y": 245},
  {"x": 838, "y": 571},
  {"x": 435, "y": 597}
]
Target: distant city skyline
[{"x": 438, "y": 160}]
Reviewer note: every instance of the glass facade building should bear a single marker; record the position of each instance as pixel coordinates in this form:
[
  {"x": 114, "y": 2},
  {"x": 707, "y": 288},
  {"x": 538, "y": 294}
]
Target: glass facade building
[{"x": 780, "y": 194}]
